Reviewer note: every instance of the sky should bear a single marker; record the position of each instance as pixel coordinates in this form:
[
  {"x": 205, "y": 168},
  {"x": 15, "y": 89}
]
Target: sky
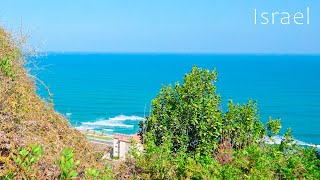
[{"x": 163, "y": 26}]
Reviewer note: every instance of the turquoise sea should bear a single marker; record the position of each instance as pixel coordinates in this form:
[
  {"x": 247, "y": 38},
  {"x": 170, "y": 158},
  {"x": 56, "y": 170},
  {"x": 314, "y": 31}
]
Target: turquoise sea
[{"x": 112, "y": 92}]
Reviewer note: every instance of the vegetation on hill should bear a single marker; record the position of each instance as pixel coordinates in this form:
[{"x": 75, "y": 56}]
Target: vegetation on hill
[{"x": 32, "y": 134}]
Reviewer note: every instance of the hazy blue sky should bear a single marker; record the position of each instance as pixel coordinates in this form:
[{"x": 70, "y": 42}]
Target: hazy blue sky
[{"x": 210, "y": 26}]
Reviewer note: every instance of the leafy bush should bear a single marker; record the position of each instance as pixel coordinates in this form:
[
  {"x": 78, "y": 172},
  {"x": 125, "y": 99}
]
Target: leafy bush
[
  {"x": 116, "y": 157},
  {"x": 187, "y": 114},
  {"x": 92, "y": 173},
  {"x": 25, "y": 163},
  {"x": 67, "y": 165},
  {"x": 188, "y": 136},
  {"x": 5, "y": 67}
]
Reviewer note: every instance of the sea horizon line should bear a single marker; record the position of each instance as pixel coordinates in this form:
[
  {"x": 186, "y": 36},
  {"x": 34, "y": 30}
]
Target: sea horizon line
[{"x": 176, "y": 53}]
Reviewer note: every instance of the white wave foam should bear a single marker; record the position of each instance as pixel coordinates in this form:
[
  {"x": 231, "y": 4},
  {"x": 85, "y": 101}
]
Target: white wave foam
[
  {"x": 82, "y": 128},
  {"x": 106, "y": 123},
  {"x": 111, "y": 122},
  {"x": 278, "y": 139},
  {"x": 127, "y": 118},
  {"x": 108, "y": 130}
]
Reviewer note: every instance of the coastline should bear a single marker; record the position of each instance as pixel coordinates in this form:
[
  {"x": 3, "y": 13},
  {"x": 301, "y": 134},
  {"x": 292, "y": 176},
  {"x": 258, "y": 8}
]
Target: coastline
[
  {"x": 107, "y": 139},
  {"x": 95, "y": 134}
]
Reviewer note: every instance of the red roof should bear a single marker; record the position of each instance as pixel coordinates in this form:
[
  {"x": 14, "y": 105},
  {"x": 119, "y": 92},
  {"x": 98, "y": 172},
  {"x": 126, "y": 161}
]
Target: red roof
[{"x": 127, "y": 138}]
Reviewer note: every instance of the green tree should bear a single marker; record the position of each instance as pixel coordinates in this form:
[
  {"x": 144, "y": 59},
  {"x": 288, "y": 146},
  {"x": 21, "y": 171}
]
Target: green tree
[{"x": 188, "y": 114}]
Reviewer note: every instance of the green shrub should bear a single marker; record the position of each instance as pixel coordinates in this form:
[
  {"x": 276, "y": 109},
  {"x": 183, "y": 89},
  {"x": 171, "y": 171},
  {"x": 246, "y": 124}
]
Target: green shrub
[
  {"x": 5, "y": 67},
  {"x": 188, "y": 136},
  {"x": 116, "y": 157},
  {"x": 26, "y": 160},
  {"x": 67, "y": 165},
  {"x": 91, "y": 173},
  {"x": 187, "y": 114}
]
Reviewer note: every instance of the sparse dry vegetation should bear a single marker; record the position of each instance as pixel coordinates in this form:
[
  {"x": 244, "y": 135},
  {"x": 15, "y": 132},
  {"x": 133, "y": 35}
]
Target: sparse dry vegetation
[{"x": 26, "y": 119}]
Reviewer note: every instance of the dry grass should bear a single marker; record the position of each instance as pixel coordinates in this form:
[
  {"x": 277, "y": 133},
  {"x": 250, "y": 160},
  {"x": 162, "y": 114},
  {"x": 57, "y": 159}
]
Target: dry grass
[{"x": 27, "y": 119}]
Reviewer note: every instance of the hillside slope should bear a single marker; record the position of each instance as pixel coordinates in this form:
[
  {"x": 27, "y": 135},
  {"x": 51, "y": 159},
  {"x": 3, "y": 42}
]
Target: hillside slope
[{"x": 26, "y": 119}]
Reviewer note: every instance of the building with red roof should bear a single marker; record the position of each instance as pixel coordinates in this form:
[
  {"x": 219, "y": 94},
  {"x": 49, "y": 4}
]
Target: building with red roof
[{"x": 122, "y": 144}]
